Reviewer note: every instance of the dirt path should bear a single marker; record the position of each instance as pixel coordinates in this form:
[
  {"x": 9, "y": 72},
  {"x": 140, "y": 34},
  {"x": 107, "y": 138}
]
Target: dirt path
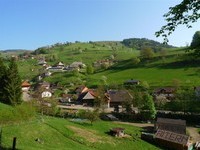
[
  {"x": 137, "y": 124},
  {"x": 193, "y": 132}
]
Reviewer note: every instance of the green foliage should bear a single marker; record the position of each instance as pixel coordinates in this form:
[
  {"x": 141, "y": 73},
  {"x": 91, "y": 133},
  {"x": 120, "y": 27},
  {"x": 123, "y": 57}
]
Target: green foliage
[
  {"x": 148, "y": 105},
  {"x": 19, "y": 113},
  {"x": 13, "y": 88},
  {"x": 3, "y": 81},
  {"x": 139, "y": 44},
  {"x": 91, "y": 115},
  {"x": 135, "y": 60},
  {"x": 90, "y": 69},
  {"x": 146, "y": 53},
  {"x": 195, "y": 44},
  {"x": 185, "y": 101},
  {"x": 185, "y": 13}
]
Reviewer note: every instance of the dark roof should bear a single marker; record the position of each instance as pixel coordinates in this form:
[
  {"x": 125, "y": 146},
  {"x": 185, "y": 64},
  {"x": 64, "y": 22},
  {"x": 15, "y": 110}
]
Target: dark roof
[
  {"x": 119, "y": 95},
  {"x": 117, "y": 129},
  {"x": 171, "y": 121},
  {"x": 166, "y": 90},
  {"x": 132, "y": 81},
  {"x": 173, "y": 125},
  {"x": 172, "y": 137}
]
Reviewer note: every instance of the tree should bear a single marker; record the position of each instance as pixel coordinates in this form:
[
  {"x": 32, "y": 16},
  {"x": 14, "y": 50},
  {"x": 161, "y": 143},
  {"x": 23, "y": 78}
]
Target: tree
[
  {"x": 135, "y": 60},
  {"x": 13, "y": 88},
  {"x": 2, "y": 80},
  {"x": 90, "y": 69},
  {"x": 195, "y": 44},
  {"x": 147, "y": 53},
  {"x": 89, "y": 114},
  {"x": 185, "y": 13}
]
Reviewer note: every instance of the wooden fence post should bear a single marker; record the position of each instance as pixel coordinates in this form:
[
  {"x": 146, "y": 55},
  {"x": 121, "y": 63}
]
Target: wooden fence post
[
  {"x": 14, "y": 143},
  {"x": 0, "y": 136}
]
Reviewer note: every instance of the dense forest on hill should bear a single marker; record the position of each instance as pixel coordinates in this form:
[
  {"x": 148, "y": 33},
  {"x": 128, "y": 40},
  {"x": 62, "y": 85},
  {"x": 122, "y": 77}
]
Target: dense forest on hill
[{"x": 139, "y": 43}]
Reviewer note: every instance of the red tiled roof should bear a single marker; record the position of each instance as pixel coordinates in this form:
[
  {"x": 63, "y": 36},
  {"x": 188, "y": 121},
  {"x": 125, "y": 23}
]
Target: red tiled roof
[{"x": 25, "y": 84}]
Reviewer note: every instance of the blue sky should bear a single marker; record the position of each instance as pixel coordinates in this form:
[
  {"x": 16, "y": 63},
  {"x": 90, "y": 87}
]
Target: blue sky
[{"x": 29, "y": 24}]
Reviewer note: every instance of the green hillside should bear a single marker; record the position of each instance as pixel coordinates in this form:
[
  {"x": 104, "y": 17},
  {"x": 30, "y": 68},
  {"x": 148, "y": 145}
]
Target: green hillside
[
  {"x": 54, "y": 134},
  {"x": 162, "y": 70}
]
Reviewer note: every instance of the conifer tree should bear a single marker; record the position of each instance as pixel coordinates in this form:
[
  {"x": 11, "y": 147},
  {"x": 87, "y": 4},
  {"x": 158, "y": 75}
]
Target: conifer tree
[
  {"x": 13, "y": 84},
  {"x": 2, "y": 80}
]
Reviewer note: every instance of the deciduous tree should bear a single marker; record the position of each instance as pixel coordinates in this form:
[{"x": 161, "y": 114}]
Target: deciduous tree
[{"x": 185, "y": 13}]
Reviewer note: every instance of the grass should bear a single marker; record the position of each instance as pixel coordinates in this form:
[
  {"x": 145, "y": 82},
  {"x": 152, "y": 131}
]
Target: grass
[{"x": 56, "y": 133}]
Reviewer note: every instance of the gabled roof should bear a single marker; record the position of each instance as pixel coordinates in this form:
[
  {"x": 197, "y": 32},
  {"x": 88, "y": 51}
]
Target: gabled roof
[
  {"x": 25, "y": 84},
  {"x": 88, "y": 95},
  {"x": 60, "y": 64},
  {"x": 119, "y": 95}
]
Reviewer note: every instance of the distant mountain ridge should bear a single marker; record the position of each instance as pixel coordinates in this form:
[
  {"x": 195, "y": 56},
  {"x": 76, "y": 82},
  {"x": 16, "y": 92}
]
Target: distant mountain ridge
[{"x": 13, "y": 50}]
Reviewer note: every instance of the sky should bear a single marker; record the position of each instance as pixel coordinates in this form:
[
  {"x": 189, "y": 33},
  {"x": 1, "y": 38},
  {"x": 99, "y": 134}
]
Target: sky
[{"x": 30, "y": 24}]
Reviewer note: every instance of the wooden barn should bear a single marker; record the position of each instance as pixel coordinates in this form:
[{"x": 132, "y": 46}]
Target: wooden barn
[
  {"x": 172, "y": 140},
  {"x": 173, "y": 125}
]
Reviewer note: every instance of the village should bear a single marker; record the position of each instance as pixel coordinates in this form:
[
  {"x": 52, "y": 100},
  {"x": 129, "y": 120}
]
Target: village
[{"x": 167, "y": 132}]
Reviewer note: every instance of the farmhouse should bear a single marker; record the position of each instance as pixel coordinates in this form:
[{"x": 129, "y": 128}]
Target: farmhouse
[
  {"x": 87, "y": 98},
  {"x": 118, "y": 97},
  {"x": 25, "y": 86},
  {"x": 166, "y": 93},
  {"x": 77, "y": 65}
]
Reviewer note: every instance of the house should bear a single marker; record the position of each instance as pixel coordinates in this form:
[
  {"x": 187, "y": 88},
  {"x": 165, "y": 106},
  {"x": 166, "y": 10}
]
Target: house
[
  {"x": 46, "y": 94},
  {"x": 104, "y": 62},
  {"x": 117, "y": 132},
  {"x": 165, "y": 93},
  {"x": 87, "y": 98},
  {"x": 117, "y": 97},
  {"x": 60, "y": 65},
  {"x": 42, "y": 62},
  {"x": 77, "y": 65},
  {"x": 173, "y": 125},
  {"x": 132, "y": 82},
  {"x": 25, "y": 86},
  {"x": 173, "y": 140}
]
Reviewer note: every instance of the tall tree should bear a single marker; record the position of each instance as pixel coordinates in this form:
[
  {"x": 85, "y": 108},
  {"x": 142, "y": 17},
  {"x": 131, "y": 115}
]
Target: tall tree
[
  {"x": 147, "y": 53},
  {"x": 13, "y": 88},
  {"x": 195, "y": 44},
  {"x": 185, "y": 13},
  {"x": 2, "y": 80}
]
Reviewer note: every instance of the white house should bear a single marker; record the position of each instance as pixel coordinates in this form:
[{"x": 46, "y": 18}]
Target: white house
[{"x": 46, "y": 94}]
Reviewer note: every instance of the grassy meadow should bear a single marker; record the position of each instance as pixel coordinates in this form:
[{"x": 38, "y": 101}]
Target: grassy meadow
[{"x": 57, "y": 133}]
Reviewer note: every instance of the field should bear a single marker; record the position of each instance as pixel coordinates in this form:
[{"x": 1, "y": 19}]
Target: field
[{"x": 54, "y": 133}]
